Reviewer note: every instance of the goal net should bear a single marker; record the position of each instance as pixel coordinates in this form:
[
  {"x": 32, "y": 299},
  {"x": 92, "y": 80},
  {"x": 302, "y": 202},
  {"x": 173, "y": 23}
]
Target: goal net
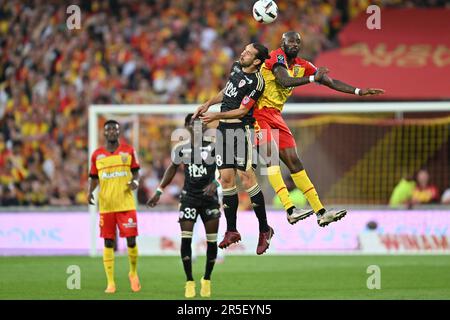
[{"x": 354, "y": 153}]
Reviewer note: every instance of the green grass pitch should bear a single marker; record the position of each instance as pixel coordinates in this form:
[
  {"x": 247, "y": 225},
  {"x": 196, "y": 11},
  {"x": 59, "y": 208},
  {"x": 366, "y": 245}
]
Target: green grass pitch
[{"x": 238, "y": 277}]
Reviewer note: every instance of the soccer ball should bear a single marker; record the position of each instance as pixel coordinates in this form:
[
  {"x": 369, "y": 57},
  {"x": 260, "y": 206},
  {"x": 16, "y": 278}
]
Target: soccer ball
[{"x": 265, "y": 11}]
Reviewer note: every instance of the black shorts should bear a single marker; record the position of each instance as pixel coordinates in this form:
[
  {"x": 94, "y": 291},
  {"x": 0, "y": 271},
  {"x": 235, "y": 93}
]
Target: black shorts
[
  {"x": 234, "y": 147},
  {"x": 190, "y": 211}
]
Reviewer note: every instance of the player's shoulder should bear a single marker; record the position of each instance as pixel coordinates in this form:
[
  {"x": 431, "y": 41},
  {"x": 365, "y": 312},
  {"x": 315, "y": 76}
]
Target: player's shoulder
[
  {"x": 124, "y": 147},
  {"x": 259, "y": 80},
  {"x": 304, "y": 62},
  {"x": 182, "y": 145},
  {"x": 277, "y": 55},
  {"x": 98, "y": 151}
]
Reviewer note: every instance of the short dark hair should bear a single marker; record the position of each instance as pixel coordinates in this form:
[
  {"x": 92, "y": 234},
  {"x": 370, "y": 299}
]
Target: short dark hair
[
  {"x": 111, "y": 121},
  {"x": 263, "y": 52},
  {"x": 187, "y": 120}
]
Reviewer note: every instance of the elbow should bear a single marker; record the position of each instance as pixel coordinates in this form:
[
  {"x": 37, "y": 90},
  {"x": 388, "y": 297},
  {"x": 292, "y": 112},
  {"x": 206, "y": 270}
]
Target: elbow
[
  {"x": 283, "y": 83},
  {"x": 242, "y": 112},
  {"x": 327, "y": 82}
]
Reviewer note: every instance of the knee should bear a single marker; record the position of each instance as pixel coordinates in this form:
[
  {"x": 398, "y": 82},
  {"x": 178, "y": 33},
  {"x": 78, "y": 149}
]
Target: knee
[
  {"x": 227, "y": 182},
  {"x": 131, "y": 242},
  {"x": 247, "y": 180},
  {"x": 294, "y": 164},
  {"x": 109, "y": 243}
]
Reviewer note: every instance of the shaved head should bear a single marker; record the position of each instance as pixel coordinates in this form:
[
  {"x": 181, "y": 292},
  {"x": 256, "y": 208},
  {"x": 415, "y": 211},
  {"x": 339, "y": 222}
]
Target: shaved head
[
  {"x": 289, "y": 34},
  {"x": 290, "y": 43}
]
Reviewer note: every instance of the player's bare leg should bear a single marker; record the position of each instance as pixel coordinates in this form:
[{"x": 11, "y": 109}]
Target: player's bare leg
[
  {"x": 211, "y": 228},
  {"x": 230, "y": 206},
  {"x": 275, "y": 178},
  {"x": 108, "y": 263},
  {"x": 132, "y": 259},
  {"x": 187, "y": 228},
  {"x": 324, "y": 216}
]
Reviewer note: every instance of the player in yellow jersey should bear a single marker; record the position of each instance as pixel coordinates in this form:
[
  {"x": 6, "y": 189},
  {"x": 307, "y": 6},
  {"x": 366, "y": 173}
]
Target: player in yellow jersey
[
  {"x": 115, "y": 168},
  {"x": 282, "y": 72}
]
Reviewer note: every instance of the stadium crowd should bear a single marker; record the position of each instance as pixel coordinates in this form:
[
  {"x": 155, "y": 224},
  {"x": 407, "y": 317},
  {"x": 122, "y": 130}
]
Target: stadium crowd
[{"x": 125, "y": 52}]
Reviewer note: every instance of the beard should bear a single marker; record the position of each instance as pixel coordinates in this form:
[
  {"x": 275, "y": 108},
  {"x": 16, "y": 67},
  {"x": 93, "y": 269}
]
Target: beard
[
  {"x": 290, "y": 53},
  {"x": 245, "y": 64}
]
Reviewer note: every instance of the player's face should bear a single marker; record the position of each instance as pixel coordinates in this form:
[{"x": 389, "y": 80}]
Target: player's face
[
  {"x": 291, "y": 45},
  {"x": 112, "y": 132},
  {"x": 248, "y": 56}
]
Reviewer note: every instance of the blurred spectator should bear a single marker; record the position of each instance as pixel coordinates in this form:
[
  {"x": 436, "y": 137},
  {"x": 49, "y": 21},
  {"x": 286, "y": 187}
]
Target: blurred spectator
[
  {"x": 445, "y": 199},
  {"x": 136, "y": 52},
  {"x": 424, "y": 192},
  {"x": 402, "y": 193}
]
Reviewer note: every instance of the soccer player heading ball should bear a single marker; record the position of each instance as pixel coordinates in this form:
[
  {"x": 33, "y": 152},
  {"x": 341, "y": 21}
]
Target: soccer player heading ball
[
  {"x": 115, "y": 168},
  {"x": 283, "y": 71}
]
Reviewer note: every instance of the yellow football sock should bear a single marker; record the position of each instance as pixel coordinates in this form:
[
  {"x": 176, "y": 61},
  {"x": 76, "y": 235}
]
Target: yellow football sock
[
  {"x": 305, "y": 185},
  {"x": 278, "y": 185},
  {"x": 108, "y": 263},
  {"x": 132, "y": 259}
]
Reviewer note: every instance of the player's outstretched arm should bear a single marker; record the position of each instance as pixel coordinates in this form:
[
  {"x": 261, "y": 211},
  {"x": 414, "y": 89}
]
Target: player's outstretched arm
[
  {"x": 93, "y": 183},
  {"x": 204, "y": 107},
  {"x": 166, "y": 180},
  {"x": 346, "y": 88},
  {"x": 232, "y": 114},
  {"x": 283, "y": 78}
]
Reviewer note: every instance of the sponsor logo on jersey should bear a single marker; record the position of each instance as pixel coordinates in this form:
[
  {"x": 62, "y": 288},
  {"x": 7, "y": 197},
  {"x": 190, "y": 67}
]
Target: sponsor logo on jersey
[
  {"x": 115, "y": 174},
  {"x": 196, "y": 171},
  {"x": 230, "y": 90}
]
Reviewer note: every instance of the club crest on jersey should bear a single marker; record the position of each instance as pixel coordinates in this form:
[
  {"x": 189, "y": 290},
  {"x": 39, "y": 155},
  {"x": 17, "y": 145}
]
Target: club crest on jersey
[
  {"x": 296, "y": 71},
  {"x": 124, "y": 157},
  {"x": 204, "y": 155},
  {"x": 241, "y": 83}
]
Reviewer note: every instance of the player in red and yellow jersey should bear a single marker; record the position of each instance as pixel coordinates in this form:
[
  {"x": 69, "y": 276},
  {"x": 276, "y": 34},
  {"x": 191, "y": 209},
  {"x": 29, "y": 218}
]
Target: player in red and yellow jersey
[
  {"x": 115, "y": 168},
  {"x": 283, "y": 71}
]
